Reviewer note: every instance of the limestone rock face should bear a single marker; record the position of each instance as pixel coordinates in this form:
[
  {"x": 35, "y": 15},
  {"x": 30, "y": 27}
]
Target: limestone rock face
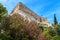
[{"x": 27, "y": 14}]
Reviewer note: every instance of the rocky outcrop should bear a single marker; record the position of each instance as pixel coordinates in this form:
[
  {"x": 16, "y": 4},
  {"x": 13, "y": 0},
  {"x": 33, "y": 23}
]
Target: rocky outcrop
[{"x": 28, "y": 14}]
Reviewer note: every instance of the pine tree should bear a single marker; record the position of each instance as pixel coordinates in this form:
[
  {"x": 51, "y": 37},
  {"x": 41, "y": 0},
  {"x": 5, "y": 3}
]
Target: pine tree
[{"x": 55, "y": 19}]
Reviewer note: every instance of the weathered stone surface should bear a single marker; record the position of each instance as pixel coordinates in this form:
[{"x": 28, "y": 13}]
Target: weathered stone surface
[{"x": 28, "y": 14}]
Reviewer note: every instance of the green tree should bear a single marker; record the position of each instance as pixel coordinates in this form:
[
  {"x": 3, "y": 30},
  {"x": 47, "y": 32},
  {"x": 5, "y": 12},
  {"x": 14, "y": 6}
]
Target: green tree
[
  {"x": 3, "y": 10},
  {"x": 3, "y": 13},
  {"x": 55, "y": 19}
]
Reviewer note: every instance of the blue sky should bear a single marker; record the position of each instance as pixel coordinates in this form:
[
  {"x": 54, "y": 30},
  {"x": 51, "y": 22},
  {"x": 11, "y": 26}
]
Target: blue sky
[{"x": 46, "y": 8}]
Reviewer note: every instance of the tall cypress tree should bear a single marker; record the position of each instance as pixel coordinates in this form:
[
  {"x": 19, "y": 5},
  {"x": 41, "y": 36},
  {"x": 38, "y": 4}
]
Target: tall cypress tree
[{"x": 55, "y": 19}]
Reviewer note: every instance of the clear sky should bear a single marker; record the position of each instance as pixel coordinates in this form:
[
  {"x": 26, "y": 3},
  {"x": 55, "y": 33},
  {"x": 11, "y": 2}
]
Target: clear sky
[{"x": 45, "y": 8}]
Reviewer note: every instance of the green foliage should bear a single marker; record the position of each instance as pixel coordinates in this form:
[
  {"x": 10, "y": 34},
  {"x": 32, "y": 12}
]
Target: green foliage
[
  {"x": 52, "y": 31},
  {"x": 57, "y": 28},
  {"x": 56, "y": 37},
  {"x": 46, "y": 31},
  {"x": 3, "y": 10}
]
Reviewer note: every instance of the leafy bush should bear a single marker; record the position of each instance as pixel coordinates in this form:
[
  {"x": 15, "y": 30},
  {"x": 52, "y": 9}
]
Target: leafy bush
[{"x": 56, "y": 37}]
